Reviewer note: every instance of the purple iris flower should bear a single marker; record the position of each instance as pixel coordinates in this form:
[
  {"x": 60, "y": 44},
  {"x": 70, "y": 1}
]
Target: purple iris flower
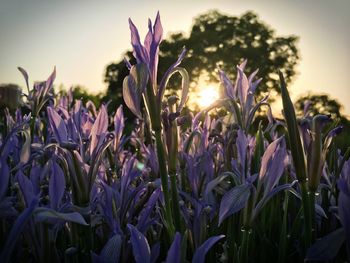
[
  {"x": 243, "y": 92},
  {"x": 148, "y": 53}
]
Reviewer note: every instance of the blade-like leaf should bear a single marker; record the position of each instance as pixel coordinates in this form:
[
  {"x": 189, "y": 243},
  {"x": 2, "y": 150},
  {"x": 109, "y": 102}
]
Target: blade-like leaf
[
  {"x": 271, "y": 194},
  {"x": 149, "y": 208},
  {"x": 327, "y": 247},
  {"x": 199, "y": 255},
  {"x": 43, "y": 214},
  {"x": 174, "y": 252},
  {"x": 111, "y": 251},
  {"x": 293, "y": 133},
  {"x": 16, "y": 230},
  {"x": 233, "y": 201}
]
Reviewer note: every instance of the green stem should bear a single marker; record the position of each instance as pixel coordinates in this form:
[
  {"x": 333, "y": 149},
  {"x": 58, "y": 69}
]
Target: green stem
[
  {"x": 46, "y": 244},
  {"x": 312, "y": 214},
  {"x": 283, "y": 236},
  {"x": 173, "y": 157},
  {"x": 245, "y": 245},
  {"x": 153, "y": 110},
  {"x": 307, "y": 214},
  {"x": 164, "y": 179},
  {"x": 83, "y": 241},
  {"x": 32, "y": 123}
]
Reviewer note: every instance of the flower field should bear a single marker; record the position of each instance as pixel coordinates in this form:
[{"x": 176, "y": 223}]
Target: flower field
[{"x": 181, "y": 187}]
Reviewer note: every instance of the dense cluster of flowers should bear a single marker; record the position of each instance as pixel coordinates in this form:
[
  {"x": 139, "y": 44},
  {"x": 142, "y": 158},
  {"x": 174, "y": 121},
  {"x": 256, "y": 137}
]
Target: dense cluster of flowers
[{"x": 74, "y": 187}]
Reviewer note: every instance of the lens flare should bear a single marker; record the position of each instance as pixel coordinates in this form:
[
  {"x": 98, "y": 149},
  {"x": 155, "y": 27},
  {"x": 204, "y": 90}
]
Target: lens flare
[{"x": 207, "y": 95}]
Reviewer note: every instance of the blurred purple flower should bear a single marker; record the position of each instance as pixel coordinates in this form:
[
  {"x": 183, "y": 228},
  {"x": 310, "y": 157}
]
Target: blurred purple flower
[
  {"x": 243, "y": 92},
  {"x": 99, "y": 130}
]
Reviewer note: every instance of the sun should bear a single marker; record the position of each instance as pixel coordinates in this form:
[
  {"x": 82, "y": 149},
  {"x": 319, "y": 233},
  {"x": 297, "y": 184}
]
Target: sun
[{"x": 207, "y": 95}]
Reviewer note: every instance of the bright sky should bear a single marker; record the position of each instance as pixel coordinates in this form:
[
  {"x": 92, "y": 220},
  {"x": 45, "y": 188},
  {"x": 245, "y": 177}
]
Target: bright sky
[{"x": 81, "y": 37}]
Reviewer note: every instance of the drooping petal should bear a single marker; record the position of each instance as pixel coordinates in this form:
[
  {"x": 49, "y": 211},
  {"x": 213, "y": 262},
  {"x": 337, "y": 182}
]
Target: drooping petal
[
  {"x": 146, "y": 212},
  {"x": 26, "y": 187},
  {"x": 149, "y": 36},
  {"x": 157, "y": 30},
  {"x": 131, "y": 96},
  {"x": 110, "y": 253},
  {"x": 50, "y": 80},
  {"x": 57, "y": 185},
  {"x": 154, "y": 49},
  {"x": 200, "y": 253},
  {"x": 99, "y": 129},
  {"x": 140, "y": 52},
  {"x": 242, "y": 87},
  {"x": 25, "y": 151},
  {"x": 276, "y": 170},
  {"x": 140, "y": 246},
  {"x": 227, "y": 84},
  {"x": 133, "y": 87},
  {"x": 57, "y": 125},
  {"x": 174, "y": 252},
  {"x": 270, "y": 150}
]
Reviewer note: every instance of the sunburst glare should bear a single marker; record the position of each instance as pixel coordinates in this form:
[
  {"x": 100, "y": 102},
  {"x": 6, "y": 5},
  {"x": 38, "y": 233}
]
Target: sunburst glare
[{"x": 207, "y": 95}]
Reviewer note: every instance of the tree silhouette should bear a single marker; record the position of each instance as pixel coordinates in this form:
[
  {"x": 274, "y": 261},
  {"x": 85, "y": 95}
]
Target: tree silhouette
[
  {"x": 220, "y": 40},
  {"x": 79, "y": 92},
  {"x": 10, "y": 96},
  {"x": 319, "y": 104}
]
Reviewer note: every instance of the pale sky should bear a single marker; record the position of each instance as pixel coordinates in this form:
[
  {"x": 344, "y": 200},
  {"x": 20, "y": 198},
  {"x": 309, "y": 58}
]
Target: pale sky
[{"x": 81, "y": 37}]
